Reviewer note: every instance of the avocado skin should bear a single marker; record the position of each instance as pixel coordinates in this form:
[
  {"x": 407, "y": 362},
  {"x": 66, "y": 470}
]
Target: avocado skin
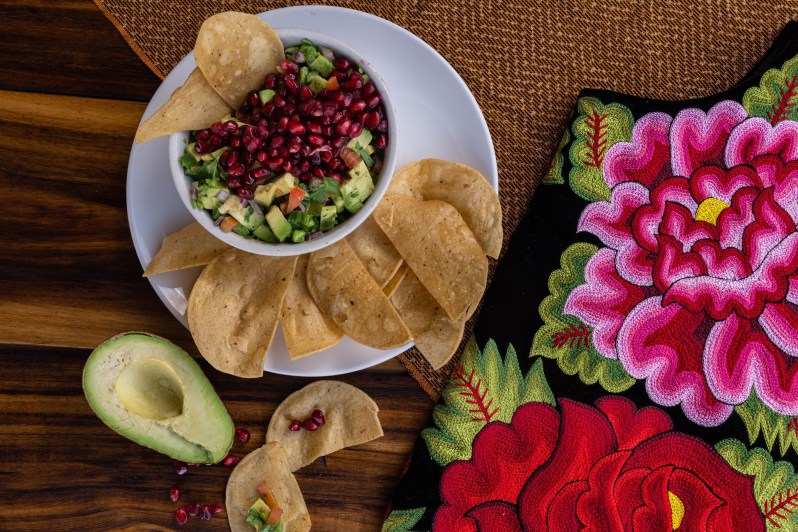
[{"x": 202, "y": 433}]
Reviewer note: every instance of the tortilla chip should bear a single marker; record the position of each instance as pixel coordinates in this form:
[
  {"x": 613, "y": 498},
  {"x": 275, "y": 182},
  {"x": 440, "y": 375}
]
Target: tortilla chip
[
  {"x": 439, "y": 247},
  {"x": 235, "y": 51},
  {"x": 233, "y": 309},
  {"x": 268, "y": 464},
  {"x": 396, "y": 280},
  {"x": 350, "y": 417},
  {"x": 436, "y": 335},
  {"x": 191, "y": 246},
  {"x": 346, "y": 293},
  {"x": 461, "y": 186},
  {"x": 375, "y": 251},
  {"x": 305, "y": 328},
  {"x": 195, "y": 105}
]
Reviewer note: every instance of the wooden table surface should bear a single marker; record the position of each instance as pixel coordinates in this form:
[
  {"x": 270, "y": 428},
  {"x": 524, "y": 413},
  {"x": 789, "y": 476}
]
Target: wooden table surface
[{"x": 71, "y": 96}]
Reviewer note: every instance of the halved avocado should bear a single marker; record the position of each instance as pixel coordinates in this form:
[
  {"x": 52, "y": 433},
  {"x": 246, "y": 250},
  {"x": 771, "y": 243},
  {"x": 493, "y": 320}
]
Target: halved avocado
[{"x": 151, "y": 391}]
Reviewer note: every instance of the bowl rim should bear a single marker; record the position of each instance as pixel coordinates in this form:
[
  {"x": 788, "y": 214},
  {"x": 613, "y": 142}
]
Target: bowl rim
[{"x": 182, "y": 182}]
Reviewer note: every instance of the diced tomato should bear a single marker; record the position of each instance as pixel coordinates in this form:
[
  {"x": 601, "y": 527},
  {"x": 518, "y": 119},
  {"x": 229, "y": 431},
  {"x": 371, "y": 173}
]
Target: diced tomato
[
  {"x": 275, "y": 516},
  {"x": 268, "y": 496},
  {"x": 227, "y": 224},
  {"x": 332, "y": 84},
  {"x": 263, "y": 488},
  {"x": 351, "y": 157},
  {"x": 295, "y": 198}
]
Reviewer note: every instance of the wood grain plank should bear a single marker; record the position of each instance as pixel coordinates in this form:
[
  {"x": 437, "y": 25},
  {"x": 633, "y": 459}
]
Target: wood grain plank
[
  {"x": 54, "y": 449},
  {"x": 68, "y": 47}
]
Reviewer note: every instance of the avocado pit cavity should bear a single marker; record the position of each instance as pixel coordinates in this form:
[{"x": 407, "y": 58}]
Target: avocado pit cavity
[{"x": 149, "y": 388}]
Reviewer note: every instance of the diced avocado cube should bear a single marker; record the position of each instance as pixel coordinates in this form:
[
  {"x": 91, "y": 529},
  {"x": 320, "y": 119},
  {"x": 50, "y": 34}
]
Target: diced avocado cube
[
  {"x": 364, "y": 139},
  {"x": 213, "y": 155},
  {"x": 298, "y": 236},
  {"x": 302, "y": 220},
  {"x": 359, "y": 171},
  {"x": 191, "y": 151},
  {"x": 206, "y": 195},
  {"x": 264, "y": 233},
  {"x": 250, "y": 219},
  {"x": 239, "y": 229},
  {"x": 328, "y": 214},
  {"x": 278, "y": 224},
  {"x": 322, "y": 65},
  {"x": 338, "y": 201},
  {"x": 279, "y": 186},
  {"x": 351, "y": 196},
  {"x": 303, "y": 75},
  {"x": 318, "y": 84},
  {"x": 309, "y": 51},
  {"x": 233, "y": 203},
  {"x": 266, "y": 95}
]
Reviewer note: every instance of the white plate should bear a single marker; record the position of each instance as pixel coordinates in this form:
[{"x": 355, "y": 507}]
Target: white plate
[{"x": 439, "y": 118}]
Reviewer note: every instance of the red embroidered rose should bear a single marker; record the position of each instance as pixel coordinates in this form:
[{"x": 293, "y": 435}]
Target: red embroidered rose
[{"x": 608, "y": 467}]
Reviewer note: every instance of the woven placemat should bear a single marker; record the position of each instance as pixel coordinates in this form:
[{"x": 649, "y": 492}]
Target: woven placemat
[{"x": 525, "y": 62}]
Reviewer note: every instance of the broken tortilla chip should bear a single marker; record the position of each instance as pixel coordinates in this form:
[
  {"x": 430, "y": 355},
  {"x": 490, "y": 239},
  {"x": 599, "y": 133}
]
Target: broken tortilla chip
[
  {"x": 267, "y": 464},
  {"x": 235, "y": 51},
  {"x": 435, "y": 334},
  {"x": 345, "y": 292},
  {"x": 234, "y": 307},
  {"x": 305, "y": 328},
  {"x": 461, "y": 186},
  {"x": 191, "y": 246},
  {"x": 375, "y": 251},
  {"x": 350, "y": 418},
  {"x": 194, "y": 105},
  {"x": 439, "y": 248}
]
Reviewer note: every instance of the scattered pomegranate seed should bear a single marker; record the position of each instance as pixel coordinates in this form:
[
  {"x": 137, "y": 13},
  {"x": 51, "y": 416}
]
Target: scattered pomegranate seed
[
  {"x": 236, "y": 170},
  {"x": 305, "y": 93},
  {"x": 253, "y": 99},
  {"x": 230, "y": 460},
  {"x": 270, "y": 81},
  {"x": 315, "y": 140},
  {"x": 174, "y": 493},
  {"x": 368, "y": 89},
  {"x": 372, "y": 119},
  {"x": 380, "y": 142},
  {"x": 295, "y": 426},
  {"x": 318, "y": 417},
  {"x": 342, "y": 63},
  {"x": 310, "y": 425},
  {"x": 217, "y": 508},
  {"x": 181, "y": 516},
  {"x": 193, "y": 510},
  {"x": 202, "y": 134},
  {"x": 357, "y": 106},
  {"x": 205, "y": 512},
  {"x": 181, "y": 468}
]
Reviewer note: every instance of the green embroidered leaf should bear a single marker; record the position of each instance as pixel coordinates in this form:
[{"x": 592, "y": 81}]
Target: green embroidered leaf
[
  {"x": 596, "y": 130},
  {"x": 758, "y": 418},
  {"x": 774, "y": 98},
  {"x": 565, "y": 338},
  {"x": 483, "y": 388},
  {"x": 403, "y": 520},
  {"x": 775, "y": 483},
  {"x": 554, "y": 174}
]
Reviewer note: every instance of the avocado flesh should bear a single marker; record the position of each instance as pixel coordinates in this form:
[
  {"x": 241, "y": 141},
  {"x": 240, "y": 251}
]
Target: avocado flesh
[{"x": 152, "y": 392}]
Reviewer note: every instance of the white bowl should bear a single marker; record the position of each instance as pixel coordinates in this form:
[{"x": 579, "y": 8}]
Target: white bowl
[{"x": 177, "y": 146}]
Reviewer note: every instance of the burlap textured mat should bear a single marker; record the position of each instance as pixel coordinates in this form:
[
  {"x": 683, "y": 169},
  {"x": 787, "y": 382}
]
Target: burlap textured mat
[{"x": 525, "y": 62}]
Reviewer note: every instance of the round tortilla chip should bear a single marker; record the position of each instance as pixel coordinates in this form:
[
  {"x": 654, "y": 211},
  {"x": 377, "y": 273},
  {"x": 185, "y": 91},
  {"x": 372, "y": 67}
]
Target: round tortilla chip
[
  {"x": 436, "y": 335},
  {"x": 345, "y": 292},
  {"x": 350, "y": 419},
  {"x": 191, "y": 246},
  {"x": 396, "y": 280},
  {"x": 234, "y": 307},
  {"x": 235, "y": 51},
  {"x": 439, "y": 248},
  {"x": 194, "y": 105},
  {"x": 464, "y": 188},
  {"x": 267, "y": 464},
  {"x": 305, "y": 328},
  {"x": 375, "y": 251}
]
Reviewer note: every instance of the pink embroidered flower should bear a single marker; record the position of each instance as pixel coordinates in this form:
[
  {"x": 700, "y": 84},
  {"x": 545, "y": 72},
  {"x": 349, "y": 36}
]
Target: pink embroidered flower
[
  {"x": 579, "y": 467},
  {"x": 697, "y": 290}
]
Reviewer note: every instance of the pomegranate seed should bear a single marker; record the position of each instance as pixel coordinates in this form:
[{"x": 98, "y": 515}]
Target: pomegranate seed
[
  {"x": 232, "y": 157},
  {"x": 217, "y": 128},
  {"x": 180, "y": 467},
  {"x": 193, "y": 510},
  {"x": 217, "y": 508},
  {"x": 181, "y": 516},
  {"x": 287, "y": 166},
  {"x": 372, "y": 119},
  {"x": 317, "y": 172},
  {"x": 310, "y": 425},
  {"x": 202, "y": 134},
  {"x": 201, "y": 146},
  {"x": 380, "y": 141},
  {"x": 318, "y": 417},
  {"x": 233, "y": 182},
  {"x": 262, "y": 132},
  {"x": 291, "y": 85},
  {"x": 295, "y": 426},
  {"x": 352, "y": 84},
  {"x": 289, "y": 67},
  {"x": 258, "y": 174},
  {"x": 296, "y": 128},
  {"x": 357, "y": 106},
  {"x": 267, "y": 109},
  {"x": 327, "y": 131},
  {"x": 355, "y": 130},
  {"x": 340, "y": 76},
  {"x": 272, "y": 153},
  {"x": 278, "y": 101},
  {"x": 275, "y": 163},
  {"x": 305, "y": 93},
  {"x": 329, "y": 109},
  {"x": 304, "y": 167},
  {"x": 253, "y": 145},
  {"x": 315, "y": 140},
  {"x": 336, "y": 164},
  {"x": 373, "y": 101},
  {"x": 231, "y": 460},
  {"x": 271, "y": 81},
  {"x": 174, "y": 493},
  {"x": 342, "y": 63},
  {"x": 236, "y": 170},
  {"x": 276, "y": 142},
  {"x": 314, "y": 128},
  {"x": 294, "y": 148},
  {"x": 326, "y": 156},
  {"x": 346, "y": 101},
  {"x": 337, "y": 117},
  {"x": 205, "y": 512},
  {"x": 282, "y": 124},
  {"x": 245, "y": 193},
  {"x": 340, "y": 142},
  {"x": 235, "y": 143},
  {"x": 283, "y": 151},
  {"x": 382, "y": 126},
  {"x": 261, "y": 156},
  {"x": 368, "y": 89},
  {"x": 253, "y": 99},
  {"x": 230, "y": 126},
  {"x": 215, "y": 141}
]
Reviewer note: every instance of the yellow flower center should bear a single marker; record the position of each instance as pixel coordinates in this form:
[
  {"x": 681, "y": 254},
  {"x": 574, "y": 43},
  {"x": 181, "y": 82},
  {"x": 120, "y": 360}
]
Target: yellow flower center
[
  {"x": 677, "y": 510},
  {"x": 710, "y": 209}
]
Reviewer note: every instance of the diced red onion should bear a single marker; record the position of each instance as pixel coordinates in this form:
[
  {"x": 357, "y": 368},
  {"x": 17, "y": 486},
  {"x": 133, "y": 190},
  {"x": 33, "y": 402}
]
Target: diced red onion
[
  {"x": 299, "y": 57},
  {"x": 300, "y": 208},
  {"x": 315, "y": 234},
  {"x": 222, "y": 195},
  {"x": 255, "y": 206},
  {"x": 218, "y": 221},
  {"x": 315, "y": 182},
  {"x": 327, "y": 53},
  {"x": 194, "y": 191},
  {"x": 243, "y": 202}
]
